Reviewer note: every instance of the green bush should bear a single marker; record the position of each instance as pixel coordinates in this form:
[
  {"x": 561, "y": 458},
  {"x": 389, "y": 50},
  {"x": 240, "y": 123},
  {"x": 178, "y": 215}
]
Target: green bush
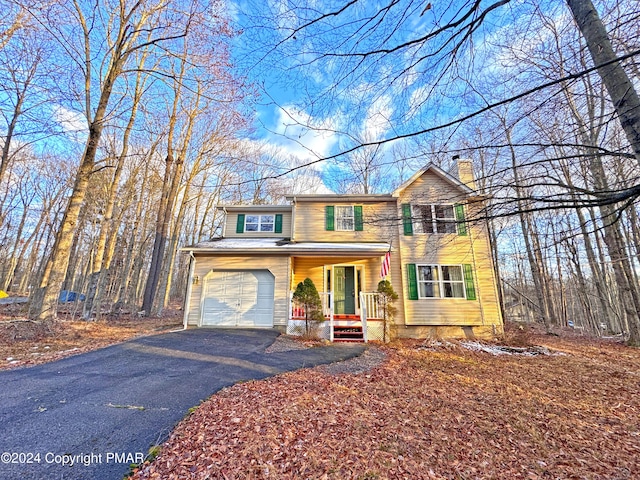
[
  {"x": 306, "y": 295},
  {"x": 386, "y": 296}
]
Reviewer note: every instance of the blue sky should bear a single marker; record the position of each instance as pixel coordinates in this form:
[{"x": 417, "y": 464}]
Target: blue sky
[{"x": 388, "y": 95}]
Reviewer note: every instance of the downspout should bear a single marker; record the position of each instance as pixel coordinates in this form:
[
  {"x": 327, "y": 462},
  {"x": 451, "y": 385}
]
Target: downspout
[
  {"x": 224, "y": 222},
  {"x": 293, "y": 220},
  {"x": 290, "y": 266},
  {"x": 476, "y": 273},
  {"x": 187, "y": 300}
]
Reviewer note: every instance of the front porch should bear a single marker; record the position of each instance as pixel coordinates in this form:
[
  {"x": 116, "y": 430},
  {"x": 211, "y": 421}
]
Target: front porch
[
  {"x": 346, "y": 284},
  {"x": 365, "y": 325}
]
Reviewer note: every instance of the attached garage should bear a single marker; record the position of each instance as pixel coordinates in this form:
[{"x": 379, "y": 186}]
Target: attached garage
[{"x": 237, "y": 298}]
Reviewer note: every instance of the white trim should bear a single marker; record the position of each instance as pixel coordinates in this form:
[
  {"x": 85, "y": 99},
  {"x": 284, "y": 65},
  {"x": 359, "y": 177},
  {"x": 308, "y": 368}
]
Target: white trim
[
  {"x": 441, "y": 281},
  {"x": 292, "y": 234},
  {"x": 439, "y": 172},
  {"x": 187, "y": 300},
  {"x": 345, "y": 217},
  {"x": 416, "y": 218},
  {"x": 356, "y": 285},
  {"x": 224, "y": 222},
  {"x": 260, "y": 223},
  {"x": 279, "y": 245}
]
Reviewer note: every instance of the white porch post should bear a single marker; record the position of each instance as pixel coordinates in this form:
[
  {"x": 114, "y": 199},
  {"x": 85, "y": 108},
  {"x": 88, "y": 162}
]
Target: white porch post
[
  {"x": 363, "y": 316},
  {"x": 330, "y": 294}
]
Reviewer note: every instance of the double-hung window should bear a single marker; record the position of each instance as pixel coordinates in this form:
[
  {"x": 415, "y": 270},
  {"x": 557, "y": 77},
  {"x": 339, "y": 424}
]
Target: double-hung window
[
  {"x": 434, "y": 218},
  {"x": 344, "y": 218},
  {"x": 259, "y": 223},
  {"x": 440, "y": 281}
]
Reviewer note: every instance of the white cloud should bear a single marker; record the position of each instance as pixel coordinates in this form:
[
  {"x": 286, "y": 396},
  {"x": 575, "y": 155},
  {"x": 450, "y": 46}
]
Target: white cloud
[
  {"x": 296, "y": 134},
  {"x": 73, "y": 123},
  {"x": 378, "y": 120}
]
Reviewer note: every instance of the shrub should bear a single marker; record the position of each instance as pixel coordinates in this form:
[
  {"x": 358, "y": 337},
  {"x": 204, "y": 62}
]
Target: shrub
[
  {"x": 386, "y": 296},
  {"x": 306, "y": 294}
]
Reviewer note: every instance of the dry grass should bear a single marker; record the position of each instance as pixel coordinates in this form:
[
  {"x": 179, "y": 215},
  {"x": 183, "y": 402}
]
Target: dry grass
[
  {"x": 427, "y": 412},
  {"x": 23, "y": 342}
]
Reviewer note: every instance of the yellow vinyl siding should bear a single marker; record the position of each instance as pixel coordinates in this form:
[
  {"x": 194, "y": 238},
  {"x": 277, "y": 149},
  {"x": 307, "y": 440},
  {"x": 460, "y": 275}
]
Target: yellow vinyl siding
[
  {"x": 382, "y": 223},
  {"x": 448, "y": 249},
  {"x": 430, "y": 188},
  {"x": 278, "y": 266},
  {"x": 232, "y": 221},
  {"x": 313, "y": 267},
  {"x": 310, "y": 223}
]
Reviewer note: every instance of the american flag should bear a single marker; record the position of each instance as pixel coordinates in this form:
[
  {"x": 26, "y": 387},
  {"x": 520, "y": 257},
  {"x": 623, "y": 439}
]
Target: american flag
[{"x": 386, "y": 265}]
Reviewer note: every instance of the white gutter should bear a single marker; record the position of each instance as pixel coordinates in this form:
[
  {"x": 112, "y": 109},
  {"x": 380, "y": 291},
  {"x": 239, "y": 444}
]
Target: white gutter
[{"x": 187, "y": 300}]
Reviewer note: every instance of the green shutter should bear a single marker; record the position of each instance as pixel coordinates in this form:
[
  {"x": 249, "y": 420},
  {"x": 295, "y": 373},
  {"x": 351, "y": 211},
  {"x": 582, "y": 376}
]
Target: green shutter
[
  {"x": 468, "y": 282},
  {"x": 278, "y": 223},
  {"x": 357, "y": 216},
  {"x": 462, "y": 227},
  {"x": 240, "y": 224},
  {"x": 413, "y": 281},
  {"x": 406, "y": 219},
  {"x": 329, "y": 217}
]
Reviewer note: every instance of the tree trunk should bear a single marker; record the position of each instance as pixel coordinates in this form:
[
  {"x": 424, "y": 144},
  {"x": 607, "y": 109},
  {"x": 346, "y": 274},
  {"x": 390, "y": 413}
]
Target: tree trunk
[
  {"x": 62, "y": 248},
  {"x": 620, "y": 87},
  {"x": 99, "y": 264}
]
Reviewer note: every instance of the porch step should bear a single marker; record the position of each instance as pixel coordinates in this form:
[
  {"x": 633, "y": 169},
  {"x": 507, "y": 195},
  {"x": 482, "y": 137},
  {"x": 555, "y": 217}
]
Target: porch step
[
  {"x": 346, "y": 317},
  {"x": 344, "y": 333}
]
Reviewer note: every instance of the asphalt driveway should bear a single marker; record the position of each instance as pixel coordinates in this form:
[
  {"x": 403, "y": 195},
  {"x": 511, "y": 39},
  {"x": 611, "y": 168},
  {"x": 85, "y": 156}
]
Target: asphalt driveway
[{"x": 89, "y": 416}]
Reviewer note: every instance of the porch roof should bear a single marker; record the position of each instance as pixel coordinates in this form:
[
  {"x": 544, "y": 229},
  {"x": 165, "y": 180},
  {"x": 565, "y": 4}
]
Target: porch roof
[{"x": 284, "y": 246}]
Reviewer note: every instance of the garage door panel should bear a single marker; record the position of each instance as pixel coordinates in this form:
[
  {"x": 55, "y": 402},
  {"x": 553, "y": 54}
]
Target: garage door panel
[
  {"x": 242, "y": 298},
  {"x": 217, "y": 311}
]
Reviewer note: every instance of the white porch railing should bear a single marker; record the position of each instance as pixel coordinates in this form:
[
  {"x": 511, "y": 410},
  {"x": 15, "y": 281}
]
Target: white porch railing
[
  {"x": 296, "y": 310},
  {"x": 369, "y": 302},
  {"x": 297, "y": 313},
  {"x": 369, "y": 309}
]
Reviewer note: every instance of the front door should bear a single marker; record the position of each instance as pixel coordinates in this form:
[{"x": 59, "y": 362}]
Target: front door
[{"x": 344, "y": 291}]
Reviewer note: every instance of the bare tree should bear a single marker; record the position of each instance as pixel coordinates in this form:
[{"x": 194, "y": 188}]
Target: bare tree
[{"x": 127, "y": 29}]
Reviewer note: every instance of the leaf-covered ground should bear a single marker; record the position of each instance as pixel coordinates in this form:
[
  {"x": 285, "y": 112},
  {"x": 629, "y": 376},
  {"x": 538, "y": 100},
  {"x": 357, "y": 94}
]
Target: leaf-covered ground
[
  {"x": 24, "y": 343},
  {"x": 427, "y": 412}
]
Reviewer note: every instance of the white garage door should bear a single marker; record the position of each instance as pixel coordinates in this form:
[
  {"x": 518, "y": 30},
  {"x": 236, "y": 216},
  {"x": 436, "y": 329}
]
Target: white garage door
[{"x": 238, "y": 299}]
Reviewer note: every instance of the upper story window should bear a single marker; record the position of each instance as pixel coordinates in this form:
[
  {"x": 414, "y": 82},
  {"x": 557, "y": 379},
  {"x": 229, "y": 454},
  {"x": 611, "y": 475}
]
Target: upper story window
[
  {"x": 344, "y": 218},
  {"x": 434, "y": 219},
  {"x": 259, "y": 223}
]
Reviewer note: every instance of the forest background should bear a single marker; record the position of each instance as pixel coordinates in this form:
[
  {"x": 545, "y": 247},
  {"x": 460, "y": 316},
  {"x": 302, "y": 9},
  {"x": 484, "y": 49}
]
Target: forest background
[{"x": 124, "y": 123}]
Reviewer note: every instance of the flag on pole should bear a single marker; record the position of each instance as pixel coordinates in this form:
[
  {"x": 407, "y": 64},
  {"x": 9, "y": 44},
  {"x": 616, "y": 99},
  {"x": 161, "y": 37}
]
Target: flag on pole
[{"x": 386, "y": 265}]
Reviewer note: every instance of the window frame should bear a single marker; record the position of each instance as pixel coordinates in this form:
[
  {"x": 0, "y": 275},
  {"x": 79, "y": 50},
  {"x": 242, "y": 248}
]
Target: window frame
[
  {"x": 339, "y": 219},
  {"x": 441, "y": 282},
  {"x": 438, "y": 225},
  {"x": 260, "y": 223}
]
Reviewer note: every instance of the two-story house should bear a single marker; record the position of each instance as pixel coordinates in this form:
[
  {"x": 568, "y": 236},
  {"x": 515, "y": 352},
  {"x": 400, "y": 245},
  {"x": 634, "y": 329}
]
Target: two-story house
[{"x": 440, "y": 261}]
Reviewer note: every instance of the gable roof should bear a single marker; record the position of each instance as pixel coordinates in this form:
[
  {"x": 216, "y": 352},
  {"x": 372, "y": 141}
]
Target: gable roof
[{"x": 447, "y": 177}]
